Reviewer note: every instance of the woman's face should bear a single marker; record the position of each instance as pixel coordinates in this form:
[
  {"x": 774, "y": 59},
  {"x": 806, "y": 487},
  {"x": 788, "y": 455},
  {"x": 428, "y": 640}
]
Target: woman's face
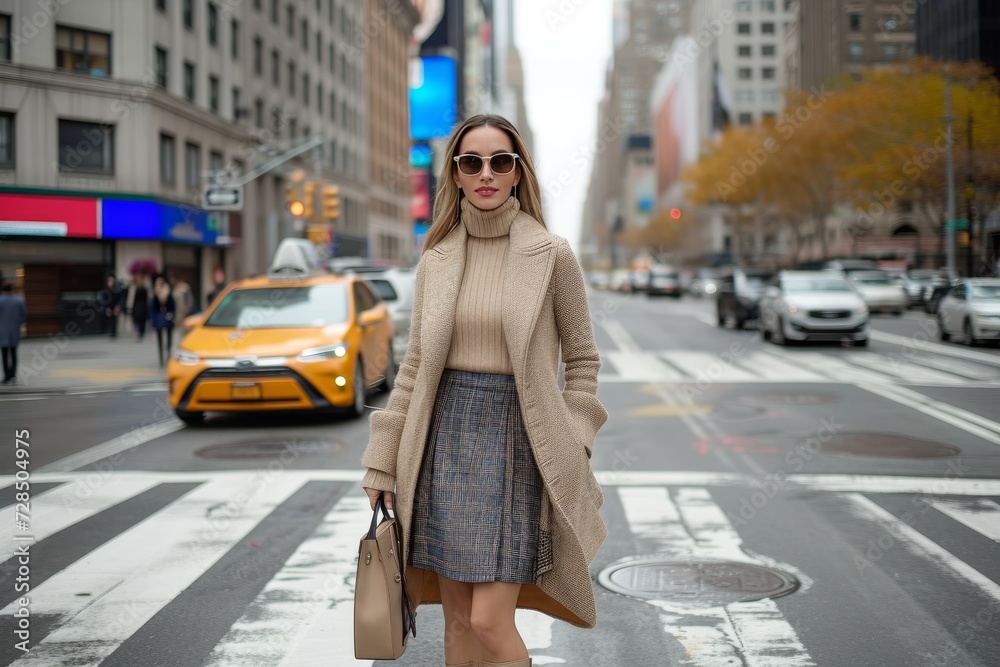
[{"x": 486, "y": 190}]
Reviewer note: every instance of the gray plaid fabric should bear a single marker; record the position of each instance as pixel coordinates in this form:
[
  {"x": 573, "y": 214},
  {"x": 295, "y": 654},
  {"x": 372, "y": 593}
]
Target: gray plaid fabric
[{"x": 478, "y": 501}]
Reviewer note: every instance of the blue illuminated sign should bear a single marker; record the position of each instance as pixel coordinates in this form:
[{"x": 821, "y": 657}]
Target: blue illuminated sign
[
  {"x": 433, "y": 97},
  {"x": 126, "y": 219}
]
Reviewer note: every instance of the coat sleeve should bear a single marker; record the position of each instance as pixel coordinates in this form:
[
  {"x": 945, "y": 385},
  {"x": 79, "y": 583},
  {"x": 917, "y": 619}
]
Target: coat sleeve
[
  {"x": 386, "y": 426},
  {"x": 579, "y": 350}
]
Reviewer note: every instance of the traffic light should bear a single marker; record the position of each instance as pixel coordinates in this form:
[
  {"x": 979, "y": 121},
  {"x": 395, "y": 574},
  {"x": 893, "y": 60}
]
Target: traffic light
[
  {"x": 675, "y": 213},
  {"x": 331, "y": 202},
  {"x": 293, "y": 199},
  {"x": 309, "y": 200}
]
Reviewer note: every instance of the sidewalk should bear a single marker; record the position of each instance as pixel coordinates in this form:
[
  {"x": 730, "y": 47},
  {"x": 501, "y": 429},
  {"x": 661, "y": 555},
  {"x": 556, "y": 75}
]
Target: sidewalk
[{"x": 63, "y": 364}]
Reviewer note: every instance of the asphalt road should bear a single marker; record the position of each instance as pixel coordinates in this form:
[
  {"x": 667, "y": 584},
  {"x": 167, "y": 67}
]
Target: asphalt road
[{"x": 862, "y": 486}]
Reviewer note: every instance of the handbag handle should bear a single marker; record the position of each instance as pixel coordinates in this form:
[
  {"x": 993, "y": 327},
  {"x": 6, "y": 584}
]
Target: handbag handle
[{"x": 409, "y": 618}]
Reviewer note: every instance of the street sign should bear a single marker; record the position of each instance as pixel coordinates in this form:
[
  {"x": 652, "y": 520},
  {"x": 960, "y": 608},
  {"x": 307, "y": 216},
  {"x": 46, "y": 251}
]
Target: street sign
[{"x": 223, "y": 198}]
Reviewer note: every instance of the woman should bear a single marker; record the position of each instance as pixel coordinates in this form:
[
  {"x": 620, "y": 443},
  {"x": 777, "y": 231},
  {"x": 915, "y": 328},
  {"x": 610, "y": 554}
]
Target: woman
[
  {"x": 162, "y": 310},
  {"x": 488, "y": 457},
  {"x": 138, "y": 305}
]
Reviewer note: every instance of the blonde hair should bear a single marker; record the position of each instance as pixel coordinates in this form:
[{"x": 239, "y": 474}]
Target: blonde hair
[{"x": 448, "y": 198}]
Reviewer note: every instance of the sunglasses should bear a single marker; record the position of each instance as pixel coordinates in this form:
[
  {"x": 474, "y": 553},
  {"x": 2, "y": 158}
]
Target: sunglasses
[{"x": 500, "y": 163}]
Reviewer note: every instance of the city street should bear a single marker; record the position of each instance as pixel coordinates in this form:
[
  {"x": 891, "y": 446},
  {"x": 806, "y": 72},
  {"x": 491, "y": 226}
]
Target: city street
[{"x": 860, "y": 487}]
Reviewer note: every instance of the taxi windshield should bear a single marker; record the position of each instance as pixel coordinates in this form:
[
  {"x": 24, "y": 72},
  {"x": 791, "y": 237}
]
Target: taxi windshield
[
  {"x": 281, "y": 308},
  {"x": 800, "y": 286}
]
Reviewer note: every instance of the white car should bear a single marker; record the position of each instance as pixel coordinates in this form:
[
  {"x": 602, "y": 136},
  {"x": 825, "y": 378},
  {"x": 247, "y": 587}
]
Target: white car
[
  {"x": 882, "y": 292},
  {"x": 396, "y": 287},
  {"x": 972, "y": 310},
  {"x": 813, "y": 305}
]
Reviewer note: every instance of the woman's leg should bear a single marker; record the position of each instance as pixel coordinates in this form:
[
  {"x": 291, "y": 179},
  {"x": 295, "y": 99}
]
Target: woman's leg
[
  {"x": 460, "y": 643},
  {"x": 159, "y": 344},
  {"x": 493, "y": 606}
]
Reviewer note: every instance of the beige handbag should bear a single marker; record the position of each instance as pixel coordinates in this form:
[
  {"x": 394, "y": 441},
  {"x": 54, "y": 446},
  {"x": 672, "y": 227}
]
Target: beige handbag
[{"x": 383, "y": 616}]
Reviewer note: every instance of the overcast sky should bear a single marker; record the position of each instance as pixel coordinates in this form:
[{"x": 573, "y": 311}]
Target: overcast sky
[{"x": 565, "y": 46}]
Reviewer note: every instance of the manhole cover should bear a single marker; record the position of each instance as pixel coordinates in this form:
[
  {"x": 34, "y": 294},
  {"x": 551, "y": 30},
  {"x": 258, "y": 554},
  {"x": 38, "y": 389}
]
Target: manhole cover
[
  {"x": 269, "y": 450},
  {"x": 798, "y": 398},
  {"x": 888, "y": 445},
  {"x": 696, "y": 584}
]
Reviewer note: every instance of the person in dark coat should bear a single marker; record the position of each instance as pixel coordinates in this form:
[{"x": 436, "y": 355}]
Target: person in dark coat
[
  {"x": 111, "y": 301},
  {"x": 12, "y": 315},
  {"x": 162, "y": 311},
  {"x": 138, "y": 305}
]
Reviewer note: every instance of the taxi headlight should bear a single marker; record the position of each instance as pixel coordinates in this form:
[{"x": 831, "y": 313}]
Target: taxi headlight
[
  {"x": 861, "y": 310},
  {"x": 336, "y": 351},
  {"x": 186, "y": 357},
  {"x": 792, "y": 308}
]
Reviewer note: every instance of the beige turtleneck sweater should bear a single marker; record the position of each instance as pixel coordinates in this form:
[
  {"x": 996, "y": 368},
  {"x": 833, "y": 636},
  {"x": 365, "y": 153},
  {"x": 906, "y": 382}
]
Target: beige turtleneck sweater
[{"x": 477, "y": 342}]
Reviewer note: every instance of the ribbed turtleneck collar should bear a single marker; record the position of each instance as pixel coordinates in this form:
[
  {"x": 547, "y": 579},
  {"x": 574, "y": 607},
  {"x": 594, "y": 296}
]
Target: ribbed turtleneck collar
[{"x": 490, "y": 224}]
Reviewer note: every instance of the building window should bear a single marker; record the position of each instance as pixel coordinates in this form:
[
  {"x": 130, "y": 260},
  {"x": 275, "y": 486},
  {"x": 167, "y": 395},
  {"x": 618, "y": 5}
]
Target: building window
[
  {"x": 275, "y": 67},
  {"x": 744, "y": 6},
  {"x": 213, "y": 93},
  {"x": 293, "y": 128},
  {"x": 258, "y": 56},
  {"x": 744, "y": 96},
  {"x": 856, "y": 51},
  {"x": 743, "y": 51},
  {"x": 257, "y": 5},
  {"x": 769, "y": 96},
  {"x": 854, "y": 22},
  {"x": 188, "y": 14},
  {"x": 305, "y": 35},
  {"x": 333, "y": 106},
  {"x": 767, "y": 50},
  {"x": 213, "y": 24},
  {"x": 161, "y": 67},
  {"x": 234, "y": 33},
  {"x": 890, "y": 51},
  {"x": 333, "y": 154},
  {"x": 745, "y": 119},
  {"x": 161, "y": 5},
  {"x": 333, "y": 59},
  {"x": 290, "y": 11},
  {"x": 258, "y": 111},
  {"x": 743, "y": 28},
  {"x": 291, "y": 77},
  {"x": 306, "y": 88},
  {"x": 4, "y": 37},
  {"x": 237, "y": 101},
  {"x": 329, "y": 9},
  {"x": 216, "y": 161},
  {"x": 319, "y": 97},
  {"x": 189, "y": 81},
  {"x": 168, "y": 157},
  {"x": 192, "y": 165},
  {"x": 6, "y": 140},
  {"x": 767, "y": 6},
  {"x": 274, "y": 12},
  {"x": 83, "y": 51},
  {"x": 767, "y": 73},
  {"x": 744, "y": 73},
  {"x": 767, "y": 28},
  {"x": 86, "y": 147},
  {"x": 319, "y": 47}
]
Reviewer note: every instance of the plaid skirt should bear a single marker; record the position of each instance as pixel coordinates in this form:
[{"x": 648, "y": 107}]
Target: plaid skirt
[{"x": 478, "y": 499}]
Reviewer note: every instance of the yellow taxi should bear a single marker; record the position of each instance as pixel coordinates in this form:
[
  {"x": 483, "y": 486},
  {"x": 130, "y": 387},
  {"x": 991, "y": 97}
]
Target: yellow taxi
[{"x": 296, "y": 339}]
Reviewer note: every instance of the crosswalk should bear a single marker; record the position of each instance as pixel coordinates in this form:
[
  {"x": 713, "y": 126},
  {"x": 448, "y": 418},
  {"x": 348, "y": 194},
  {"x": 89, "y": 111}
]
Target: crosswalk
[
  {"x": 742, "y": 365},
  {"x": 243, "y": 568}
]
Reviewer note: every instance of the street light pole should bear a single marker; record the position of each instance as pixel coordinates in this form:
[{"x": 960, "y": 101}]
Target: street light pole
[{"x": 950, "y": 176}]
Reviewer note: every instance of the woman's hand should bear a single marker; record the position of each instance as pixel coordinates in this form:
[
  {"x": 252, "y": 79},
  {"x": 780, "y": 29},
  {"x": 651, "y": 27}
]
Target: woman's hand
[{"x": 373, "y": 495}]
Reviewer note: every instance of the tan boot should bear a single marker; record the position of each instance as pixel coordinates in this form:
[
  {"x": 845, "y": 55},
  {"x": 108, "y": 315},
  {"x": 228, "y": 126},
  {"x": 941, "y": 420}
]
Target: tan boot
[{"x": 524, "y": 662}]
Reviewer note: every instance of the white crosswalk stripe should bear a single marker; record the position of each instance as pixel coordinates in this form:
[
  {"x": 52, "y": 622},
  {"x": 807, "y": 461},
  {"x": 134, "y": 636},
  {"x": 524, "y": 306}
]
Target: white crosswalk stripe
[
  {"x": 303, "y": 613},
  {"x": 756, "y": 366}
]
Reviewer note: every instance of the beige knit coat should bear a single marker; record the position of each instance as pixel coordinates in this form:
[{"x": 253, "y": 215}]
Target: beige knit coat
[{"x": 544, "y": 309}]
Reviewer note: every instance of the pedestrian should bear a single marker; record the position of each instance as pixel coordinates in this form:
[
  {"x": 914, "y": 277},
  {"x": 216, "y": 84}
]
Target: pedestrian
[
  {"x": 162, "y": 313},
  {"x": 138, "y": 305},
  {"x": 110, "y": 299},
  {"x": 12, "y": 316},
  {"x": 499, "y": 507},
  {"x": 183, "y": 297}
]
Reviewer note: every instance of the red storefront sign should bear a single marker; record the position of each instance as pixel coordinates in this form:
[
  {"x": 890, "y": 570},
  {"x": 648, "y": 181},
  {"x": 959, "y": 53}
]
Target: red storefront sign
[{"x": 40, "y": 215}]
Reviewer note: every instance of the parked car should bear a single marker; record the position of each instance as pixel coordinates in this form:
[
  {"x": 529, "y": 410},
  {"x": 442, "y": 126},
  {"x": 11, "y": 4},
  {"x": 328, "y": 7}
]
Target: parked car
[
  {"x": 639, "y": 279},
  {"x": 599, "y": 279},
  {"x": 664, "y": 282},
  {"x": 621, "y": 281},
  {"x": 851, "y": 265},
  {"x": 296, "y": 339},
  {"x": 919, "y": 284},
  {"x": 396, "y": 287},
  {"x": 706, "y": 282},
  {"x": 813, "y": 305},
  {"x": 739, "y": 297},
  {"x": 971, "y": 309},
  {"x": 881, "y": 292}
]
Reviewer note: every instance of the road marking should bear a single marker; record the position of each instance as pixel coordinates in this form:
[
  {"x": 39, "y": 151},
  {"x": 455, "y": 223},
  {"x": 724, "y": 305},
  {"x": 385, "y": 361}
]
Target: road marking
[
  {"x": 778, "y": 367},
  {"x": 922, "y": 545},
  {"x": 905, "y": 371},
  {"x": 707, "y": 319},
  {"x": 639, "y": 365},
  {"x": 620, "y": 336},
  {"x": 980, "y": 514},
  {"x": 708, "y": 367},
  {"x": 929, "y": 346},
  {"x": 133, "y": 438}
]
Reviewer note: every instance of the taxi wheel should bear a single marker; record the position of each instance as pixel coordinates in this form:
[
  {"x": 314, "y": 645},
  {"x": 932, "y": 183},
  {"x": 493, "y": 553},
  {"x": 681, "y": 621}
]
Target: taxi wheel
[
  {"x": 389, "y": 375},
  {"x": 357, "y": 408},
  {"x": 191, "y": 418}
]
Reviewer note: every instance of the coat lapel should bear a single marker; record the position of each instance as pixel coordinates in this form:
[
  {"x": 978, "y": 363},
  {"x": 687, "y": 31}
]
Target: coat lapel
[
  {"x": 530, "y": 260},
  {"x": 444, "y": 278}
]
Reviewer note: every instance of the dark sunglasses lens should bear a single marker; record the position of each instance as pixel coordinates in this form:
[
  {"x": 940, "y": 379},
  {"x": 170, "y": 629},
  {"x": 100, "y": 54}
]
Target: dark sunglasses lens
[
  {"x": 503, "y": 163},
  {"x": 470, "y": 164}
]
